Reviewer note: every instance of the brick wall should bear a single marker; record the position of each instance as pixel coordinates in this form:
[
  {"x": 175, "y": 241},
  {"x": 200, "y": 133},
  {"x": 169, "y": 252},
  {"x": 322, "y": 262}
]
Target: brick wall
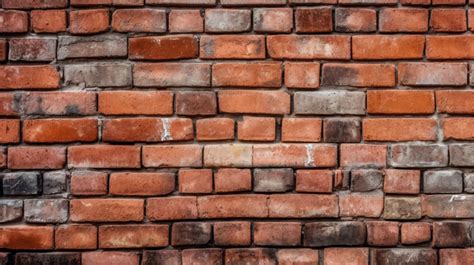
[{"x": 252, "y": 132}]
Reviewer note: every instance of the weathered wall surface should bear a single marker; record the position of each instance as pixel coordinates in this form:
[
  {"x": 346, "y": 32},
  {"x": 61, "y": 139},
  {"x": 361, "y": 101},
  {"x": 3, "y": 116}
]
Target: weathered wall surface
[{"x": 232, "y": 132}]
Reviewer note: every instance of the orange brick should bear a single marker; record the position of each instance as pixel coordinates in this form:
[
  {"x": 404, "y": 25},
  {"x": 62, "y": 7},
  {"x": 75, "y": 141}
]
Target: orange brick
[
  {"x": 450, "y": 47},
  {"x": 88, "y": 183},
  {"x": 308, "y": 47},
  {"x": 442, "y": 20},
  {"x": 29, "y": 77},
  {"x": 162, "y": 48},
  {"x": 363, "y": 155},
  {"x": 356, "y": 20},
  {"x": 172, "y": 156},
  {"x": 106, "y": 210},
  {"x": 401, "y": 181},
  {"x": 215, "y": 129},
  {"x": 372, "y": 47},
  {"x": 277, "y": 233},
  {"x": 455, "y": 101},
  {"x": 110, "y": 257},
  {"x": 247, "y": 74},
  {"x": 232, "y": 233},
  {"x": 171, "y": 208},
  {"x": 458, "y": 128},
  {"x": 400, "y": 102},
  {"x": 9, "y": 131},
  {"x": 302, "y": 75},
  {"x": 256, "y": 129},
  {"x": 185, "y": 21},
  {"x": 393, "y": 129},
  {"x": 136, "y": 102},
  {"x": 133, "y": 236},
  {"x": 88, "y": 21},
  {"x": 139, "y": 20},
  {"x": 36, "y": 157},
  {"x": 232, "y": 47},
  {"x": 48, "y": 21},
  {"x": 403, "y": 20},
  {"x": 8, "y": 107},
  {"x": 60, "y": 130},
  {"x": 76, "y": 237},
  {"x": 23, "y": 237},
  {"x": 301, "y": 130},
  {"x": 415, "y": 233},
  {"x": 380, "y": 233},
  {"x": 13, "y": 21},
  {"x": 315, "y": 181},
  {"x": 195, "y": 180},
  {"x": 358, "y": 75},
  {"x": 341, "y": 256},
  {"x": 255, "y": 102},
  {"x": 104, "y": 156},
  {"x": 232, "y": 206},
  {"x": 303, "y": 206},
  {"x": 142, "y": 183},
  {"x": 232, "y": 180},
  {"x": 294, "y": 155},
  {"x": 361, "y": 204}
]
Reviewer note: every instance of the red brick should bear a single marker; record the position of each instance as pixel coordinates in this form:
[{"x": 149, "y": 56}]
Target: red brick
[
  {"x": 60, "y": 130},
  {"x": 76, "y": 237},
  {"x": 403, "y": 20},
  {"x": 370, "y": 2},
  {"x": 232, "y": 233},
  {"x": 415, "y": 233},
  {"x": 294, "y": 155},
  {"x": 23, "y": 237},
  {"x": 13, "y": 21},
  {"x": 415, "y": 2},
  {"x": 110, "y": 257},
  {"x": 193, "y": 103},
  {"x": 372, "y": 47},
  {"x": 3, "y": 158},
  {"x": 106, "y": 210},
  {"x": 401, "y": 181},
  {"x": 454, "y": 101},
  {"x": 232, "y": 47},
  {"x": 232, "y": 180},
  {"x": 442, "y": 20},
  {"x": 3, "y": 50},
  {"x": 301, "y": 130},
  {"x": 9, "y": 131},
  {"x": 458, "y": 128},
  {"x": 58, "y": 103},
  {"x": 256, "y": 129},
  {"x": 29, "y": 77},
  {"x": 302, "y": 75},
  {"x": 450, "y": 47},
  {"x": 142, "y": 183},
  {"x": 358, "y": 75},
  {"x": 380, "y": 233},
  {"x": 232, "y": 206},
  {"x": 277, "y": 234},
  {"x": 355, "y": 20},
  {"x": 215, "y": 129},
  {"x": 185, "y": 21},
  {"x": 172, "y": 75},
  {"x": 256, "y": 102},
  {"x": 302, "y": 206},
  {"x": 315, "y": 181},
  {"x": 32, "y": 49},
  {"x": 449, "y": 2},
  {"x": 297, "y": 256},
  {"x": 8, "y": 105},
  {"x": 432, "y": 74},
  {"x": 252, "y": 3},
  {"x": 172, "y": 156},
  {"x": 88, "y": 183},
  {"x": 163, "y": 48},
  {"x": 133, "y": 236},
  {"x": 361, "y": 204},
  {"x": 91, "y": 2},
  {"x": 400, "y": 102},
  {"x": 36, "y": 157},
  {"x": 48, "y": 21},
  {"x": 308, "y": 47},
  {"x": 363, "y": 155},
  {"x": 261, "y": 74},
  {"x": 250, "y": 256},
  {"x": 88, "y": 21},
  {"x": 104, "y": 156},
  {"x": 139, "y": 20},
  {"x": 147, "y": 130},
  {"x": 273, "y": 20},
  {"x": 128, "y": 2},
  {"x": 313, "y": 20},
  {"x": 399, "y": 129},
  {"x": 29, "y": 4},
  {"x": 171, "y": 208},
  {"x": 342, "y": 256},
  {"x": 136, "y": 102},
  {"x": 456, "y": 256},
  {"x": 195, "y": 180}
]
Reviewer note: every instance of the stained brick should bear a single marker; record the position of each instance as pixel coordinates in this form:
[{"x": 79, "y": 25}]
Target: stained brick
[
  {"x": 13, "y": 21},
  {"x": 312, "y": 20},
  {"x": 139, "y": 20},
  {"x": 355, "y": 20},
  {"x": 172, "y": 74},
  {"x": 303, "y": 206},
  {"x": 358, "y": 75},
  {"x": 329, "y": 102},
  {"x": 101, "y": 46},
  {"x": 98, "y": 75},
  {"x": 432, "y": 74},
  {"x": 133, "y": 236},
  {"x": 106, "y": 210},
  {"x": 273, "y": 20},
  {"x": 232, "y": 233},
  {"x": 32, "y": 49},
  {"x": 103, "y": 156},
  {"x": 227, "y": 20},
  {"x": 418, "y": 155},
  {"x": 323, "y": 234}
]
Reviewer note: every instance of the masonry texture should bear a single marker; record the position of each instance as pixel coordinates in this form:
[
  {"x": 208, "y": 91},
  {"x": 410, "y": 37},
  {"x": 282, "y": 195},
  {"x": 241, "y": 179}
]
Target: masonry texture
[{"x": 236, "y": 132}]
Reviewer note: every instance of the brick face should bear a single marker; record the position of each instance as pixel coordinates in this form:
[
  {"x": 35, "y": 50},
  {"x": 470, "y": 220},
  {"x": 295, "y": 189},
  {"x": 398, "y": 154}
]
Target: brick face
[{"x": 227, "y": 132}]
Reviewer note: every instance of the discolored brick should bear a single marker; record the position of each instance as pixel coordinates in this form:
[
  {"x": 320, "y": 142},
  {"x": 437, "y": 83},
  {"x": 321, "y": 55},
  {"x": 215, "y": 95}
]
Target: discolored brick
[
  {"x": 341, "y": 130},
  {"x": 273, "y": 180},
  {"x": 355, "y": 20},
  {"x": 196, "y": 103},
  {"x": 402, "y": 208},
  {"x": 323, "y": 234},
  {"x": 232, "y": 233},
  {"x": 311, "y": 20},
  {"x": 183, "y": 234}
]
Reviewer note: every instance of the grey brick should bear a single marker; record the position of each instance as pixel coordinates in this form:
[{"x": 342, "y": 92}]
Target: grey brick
[
  {"x": 461, "y": 155},
  {"x": 10, "y": 210},
  {"x": 273, "y": 180},
  {"x": 366, "y": 180},
  {"x": 227, "y": 20},
  {"x": 469, "y": 182},
  {"x": 402, "y": 208},
  {"x": 98, "y": 75},
  {"x": 341, "y": 130},
  {"x": 190, "y": 233},
  {"x": 54, "y": 182},
  {"x": 418, "y": 155},
  {"x": 102, "y": 46},
  {"x": 46, "y": 210},
  {"x": 21, "y": 183},
  {"x": 397, "y": 256},
  {"x": 442, "y": 181},
  {"x": 451, "y": 234},
  {"x": 32, "y": 49},
  {"x": 323, "y": 234},
  {"x": 330, "y": 102},
  {"x": 48, "y": 258}
]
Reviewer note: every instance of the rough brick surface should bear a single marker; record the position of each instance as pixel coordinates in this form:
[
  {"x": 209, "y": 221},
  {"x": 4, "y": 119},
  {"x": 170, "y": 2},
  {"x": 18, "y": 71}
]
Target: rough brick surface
[{"x": 228, "y": 132}]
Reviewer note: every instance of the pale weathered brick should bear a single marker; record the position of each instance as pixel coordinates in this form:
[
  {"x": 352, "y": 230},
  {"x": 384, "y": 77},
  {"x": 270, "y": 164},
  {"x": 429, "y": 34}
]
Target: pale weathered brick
[
  {"x": 98, "y": 75},
  {"x": 418, "y": 155},
  {"x": 329, "y": 102},
  {"x": 102, "y": 46}
]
